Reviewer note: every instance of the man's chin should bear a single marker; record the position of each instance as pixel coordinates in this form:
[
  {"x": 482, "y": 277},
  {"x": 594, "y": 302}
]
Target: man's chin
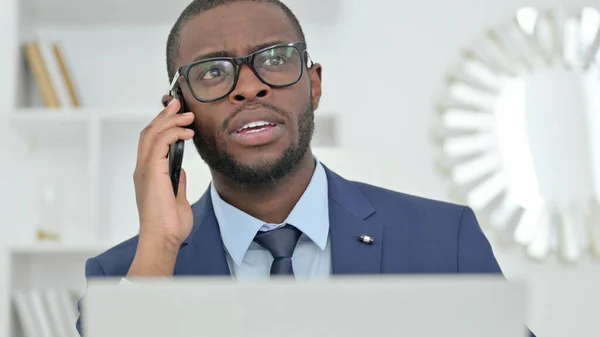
[
  {"x": 256, "y": 176},
  {"x": 259, "y": 160},
  {"x": 248, "y": 170}
]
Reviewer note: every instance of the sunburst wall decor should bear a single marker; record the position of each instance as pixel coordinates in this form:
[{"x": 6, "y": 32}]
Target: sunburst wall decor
[{"x": 518, "y": 131}]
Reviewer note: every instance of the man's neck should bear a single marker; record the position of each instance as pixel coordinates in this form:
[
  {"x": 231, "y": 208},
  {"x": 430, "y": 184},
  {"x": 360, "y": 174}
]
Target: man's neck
[{"x": 272, "y": 204}]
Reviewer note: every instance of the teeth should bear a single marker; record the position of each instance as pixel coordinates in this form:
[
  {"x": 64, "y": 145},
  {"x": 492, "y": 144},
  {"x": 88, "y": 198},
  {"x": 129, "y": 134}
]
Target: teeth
[{"x": 255, "y": 124}]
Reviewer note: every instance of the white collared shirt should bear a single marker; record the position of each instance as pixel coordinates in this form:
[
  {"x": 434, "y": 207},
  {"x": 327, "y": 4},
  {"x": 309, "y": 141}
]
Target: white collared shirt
[{"x": 312, "y": 256}]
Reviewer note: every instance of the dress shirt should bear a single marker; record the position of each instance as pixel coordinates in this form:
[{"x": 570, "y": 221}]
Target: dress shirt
[{"x": 312, "y": 256}]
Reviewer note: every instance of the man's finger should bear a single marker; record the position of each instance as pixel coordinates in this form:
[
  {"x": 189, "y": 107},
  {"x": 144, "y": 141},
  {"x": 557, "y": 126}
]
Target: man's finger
[
  {"x": 156, "y": 128},
  {"x": 160, "y": 148}
]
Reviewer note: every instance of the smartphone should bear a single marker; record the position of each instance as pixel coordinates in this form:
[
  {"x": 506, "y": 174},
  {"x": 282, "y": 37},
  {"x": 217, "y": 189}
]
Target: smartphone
[{"x": 175, "y": 154}]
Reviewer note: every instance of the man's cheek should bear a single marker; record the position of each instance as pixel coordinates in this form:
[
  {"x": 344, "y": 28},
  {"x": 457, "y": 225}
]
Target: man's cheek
[{"x": 202, "y": 126}]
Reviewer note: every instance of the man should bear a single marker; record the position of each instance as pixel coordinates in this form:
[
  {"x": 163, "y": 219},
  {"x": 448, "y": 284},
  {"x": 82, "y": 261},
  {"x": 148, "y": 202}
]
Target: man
[{"x": 251, "y": 119}]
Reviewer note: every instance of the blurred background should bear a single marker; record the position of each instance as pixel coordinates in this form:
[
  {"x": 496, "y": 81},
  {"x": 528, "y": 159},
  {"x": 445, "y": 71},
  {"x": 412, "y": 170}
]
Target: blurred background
[{"x": 492, "y": 104}]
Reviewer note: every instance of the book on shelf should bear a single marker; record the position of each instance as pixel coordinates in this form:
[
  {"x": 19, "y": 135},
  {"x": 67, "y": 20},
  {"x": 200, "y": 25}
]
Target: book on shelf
[
  {"x": 46, "y": 312},
  {"x": 47, "y": 63}
]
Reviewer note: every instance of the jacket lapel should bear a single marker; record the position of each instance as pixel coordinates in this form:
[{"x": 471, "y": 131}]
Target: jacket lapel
[
  {"x": 203, "y": 253},
  {"x": 350, "y": 216}
]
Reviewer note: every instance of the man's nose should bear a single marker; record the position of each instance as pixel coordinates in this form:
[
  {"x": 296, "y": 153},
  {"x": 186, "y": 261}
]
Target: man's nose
[{"x": 248, "y": 87}]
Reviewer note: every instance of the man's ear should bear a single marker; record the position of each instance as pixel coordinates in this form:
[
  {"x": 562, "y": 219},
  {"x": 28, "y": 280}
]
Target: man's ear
[
  {"x": 315, "y": 81},
  {"x": 166, "y": 99}
]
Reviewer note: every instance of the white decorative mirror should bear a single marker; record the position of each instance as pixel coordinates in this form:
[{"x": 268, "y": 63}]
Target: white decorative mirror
[{"x": 519, "y": 131}]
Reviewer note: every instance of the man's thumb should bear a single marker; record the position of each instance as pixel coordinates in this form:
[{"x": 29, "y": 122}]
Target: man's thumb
[{"x": 181, "y": 192}]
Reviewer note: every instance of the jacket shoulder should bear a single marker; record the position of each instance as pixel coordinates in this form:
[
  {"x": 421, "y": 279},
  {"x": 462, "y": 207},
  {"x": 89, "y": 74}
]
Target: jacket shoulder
[
  {"x": 385, "y": 199},
  {"x": 430, "y": 235},
  {"x": 116, "y": 260}
]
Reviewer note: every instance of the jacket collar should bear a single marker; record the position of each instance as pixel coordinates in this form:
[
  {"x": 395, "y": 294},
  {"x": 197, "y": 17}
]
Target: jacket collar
[{"x": 351, "y": 215}]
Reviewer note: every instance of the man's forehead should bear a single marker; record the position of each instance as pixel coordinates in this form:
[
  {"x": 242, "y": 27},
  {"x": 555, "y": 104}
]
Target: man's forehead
[{"x": 236, "y": 28}]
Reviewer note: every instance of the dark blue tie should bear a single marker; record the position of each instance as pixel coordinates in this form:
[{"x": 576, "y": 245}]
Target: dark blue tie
[{"x": 281, "y": 243}]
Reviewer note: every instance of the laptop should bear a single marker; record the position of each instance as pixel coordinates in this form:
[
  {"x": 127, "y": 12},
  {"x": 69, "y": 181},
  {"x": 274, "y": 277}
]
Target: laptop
[{"x": 340, "y": 307}]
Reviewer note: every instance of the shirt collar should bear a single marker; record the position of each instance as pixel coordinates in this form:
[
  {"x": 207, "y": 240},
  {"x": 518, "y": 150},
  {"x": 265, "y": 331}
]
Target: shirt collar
[{"x": 310, "y": 215}]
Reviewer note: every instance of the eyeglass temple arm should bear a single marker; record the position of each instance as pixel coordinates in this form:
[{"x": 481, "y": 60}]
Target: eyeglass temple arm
[
  {"x": 173, "y": 83},
  {"x": 309, "y": 61}
]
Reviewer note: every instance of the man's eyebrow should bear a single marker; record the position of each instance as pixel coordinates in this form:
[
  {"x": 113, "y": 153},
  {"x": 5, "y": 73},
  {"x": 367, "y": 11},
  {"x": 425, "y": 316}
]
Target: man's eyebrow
[
  {"x": 225, "y": 53},
  {"x": 266, "y": 45},
  {"x": 210, "y": 55}
]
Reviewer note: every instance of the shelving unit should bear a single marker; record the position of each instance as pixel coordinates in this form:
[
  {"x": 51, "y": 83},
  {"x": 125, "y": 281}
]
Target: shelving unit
[
  {"x": 49, "y": 266},
  {"x": 114, "y": 52},
  {"x": 103, "y": 138},
  {"x": 89, "y": 151}
]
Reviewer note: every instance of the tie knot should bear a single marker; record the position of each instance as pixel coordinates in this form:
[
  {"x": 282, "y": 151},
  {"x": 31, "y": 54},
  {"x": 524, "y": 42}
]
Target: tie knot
[{"x": 280, "y": 242}]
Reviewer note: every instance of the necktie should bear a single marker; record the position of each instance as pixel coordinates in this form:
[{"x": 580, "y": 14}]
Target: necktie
[{"x": 281, "y": 243}]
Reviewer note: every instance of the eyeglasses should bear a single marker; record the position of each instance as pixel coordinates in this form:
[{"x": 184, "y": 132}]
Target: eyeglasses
[{"x": 212, "y": 79}]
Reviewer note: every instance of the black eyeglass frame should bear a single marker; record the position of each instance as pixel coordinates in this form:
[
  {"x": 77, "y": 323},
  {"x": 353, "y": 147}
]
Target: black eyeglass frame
[{"x": 237, "y": 63}]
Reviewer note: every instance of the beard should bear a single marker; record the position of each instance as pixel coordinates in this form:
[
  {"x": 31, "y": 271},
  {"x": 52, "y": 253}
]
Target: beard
[{"x": 256, "y": 176}]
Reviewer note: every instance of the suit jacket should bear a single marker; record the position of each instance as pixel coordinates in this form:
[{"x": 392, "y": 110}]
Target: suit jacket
[{"x": 411, "y": 235}]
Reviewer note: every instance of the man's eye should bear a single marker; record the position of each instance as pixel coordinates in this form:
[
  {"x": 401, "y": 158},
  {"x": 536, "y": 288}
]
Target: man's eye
[
  {"x": 211, "y": 74},
  {"x": 275, "y": 61}
]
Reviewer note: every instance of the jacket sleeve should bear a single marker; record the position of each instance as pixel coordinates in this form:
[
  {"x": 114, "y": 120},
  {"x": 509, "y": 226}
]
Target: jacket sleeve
[
  {"x": 92, "y": 269},
  {"x": 475, "y": 254}
]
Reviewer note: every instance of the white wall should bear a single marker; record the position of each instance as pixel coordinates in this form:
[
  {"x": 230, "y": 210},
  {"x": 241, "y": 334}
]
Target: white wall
[{"x": 383, "y": 66}]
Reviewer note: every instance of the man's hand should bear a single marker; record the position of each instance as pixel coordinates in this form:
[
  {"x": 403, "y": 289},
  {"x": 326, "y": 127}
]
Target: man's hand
[{"x": 165, "y": 220}]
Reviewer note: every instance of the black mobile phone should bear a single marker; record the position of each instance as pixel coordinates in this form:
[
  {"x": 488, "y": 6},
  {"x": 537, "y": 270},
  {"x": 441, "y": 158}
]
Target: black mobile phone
[{"x": 175, "y": 154}]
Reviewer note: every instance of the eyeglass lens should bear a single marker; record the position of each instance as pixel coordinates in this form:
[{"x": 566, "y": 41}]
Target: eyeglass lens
[{"x": 277, "y": 66}]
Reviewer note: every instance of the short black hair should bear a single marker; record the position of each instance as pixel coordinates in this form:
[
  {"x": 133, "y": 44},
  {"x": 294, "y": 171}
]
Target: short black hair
[{"x": 198, "y": 6}]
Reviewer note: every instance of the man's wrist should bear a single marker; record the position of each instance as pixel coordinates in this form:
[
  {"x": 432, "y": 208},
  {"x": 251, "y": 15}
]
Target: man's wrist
[
  {"x": 158, "y": 242},
  {"x": 155, "y": 256}
]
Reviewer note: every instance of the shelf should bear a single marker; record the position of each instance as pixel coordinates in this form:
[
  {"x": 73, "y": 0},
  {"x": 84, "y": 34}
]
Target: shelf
[
  {"x": 326, "y": 130},
  {"x": 50, "y": 248},
  {"x": 50, "y": 125},
  {"x": 71, "y": 124},
  {"x": 83, "y": 114},
  {"x": 43, "y": 114}
]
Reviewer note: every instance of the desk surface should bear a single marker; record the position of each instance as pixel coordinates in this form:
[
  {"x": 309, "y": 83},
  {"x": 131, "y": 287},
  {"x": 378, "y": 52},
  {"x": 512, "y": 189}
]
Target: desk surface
[{"x": 348, "y": 307}]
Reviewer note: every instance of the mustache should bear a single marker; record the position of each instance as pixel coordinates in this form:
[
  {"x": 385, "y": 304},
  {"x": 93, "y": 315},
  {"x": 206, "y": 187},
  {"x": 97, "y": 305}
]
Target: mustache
[{"x": 282, "y": 112}]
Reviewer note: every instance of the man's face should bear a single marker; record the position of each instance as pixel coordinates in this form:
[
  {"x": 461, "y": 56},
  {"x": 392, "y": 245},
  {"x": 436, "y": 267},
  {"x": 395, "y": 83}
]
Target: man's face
[{"x": 250, "y": 156}]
